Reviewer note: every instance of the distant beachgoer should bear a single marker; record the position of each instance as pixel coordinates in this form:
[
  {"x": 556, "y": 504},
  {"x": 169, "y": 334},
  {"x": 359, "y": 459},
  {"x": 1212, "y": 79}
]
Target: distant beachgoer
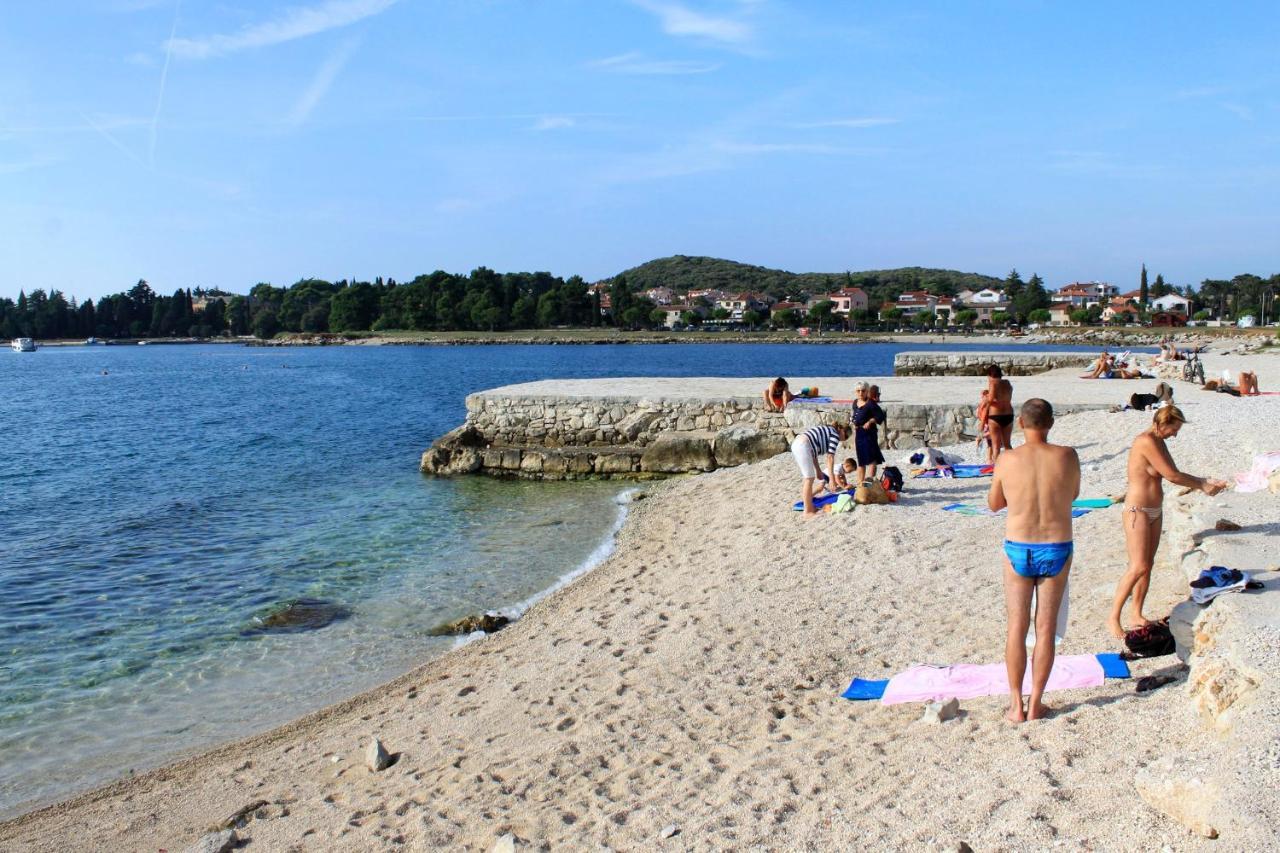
[
  {"x": 777, "y": 395},
  {"x": 806, "y": 448},
  {"x": 1149, "y": 466},
  {"x": 1103, "y": 366},
  {"x": 1037, "y": 483},
  {"x": 1000, "y": 419},
  {"x": 867, "y": 416},
  {"x": 1249, "y": 383},
  {"x": 983, "y": 414}
]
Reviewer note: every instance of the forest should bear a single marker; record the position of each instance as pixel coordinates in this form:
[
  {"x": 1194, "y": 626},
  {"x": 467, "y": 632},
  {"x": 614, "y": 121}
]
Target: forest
[{"x": 485, "y": 300}]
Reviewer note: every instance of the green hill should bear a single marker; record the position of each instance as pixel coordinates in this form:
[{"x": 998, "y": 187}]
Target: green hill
[{"x": 683, "y": 273}]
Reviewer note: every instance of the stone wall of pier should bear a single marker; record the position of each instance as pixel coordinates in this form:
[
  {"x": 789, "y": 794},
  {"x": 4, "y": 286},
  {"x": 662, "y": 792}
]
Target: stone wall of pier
[
  {"x": 547, "y": 437},
  {"x": 976, "y": 363}
]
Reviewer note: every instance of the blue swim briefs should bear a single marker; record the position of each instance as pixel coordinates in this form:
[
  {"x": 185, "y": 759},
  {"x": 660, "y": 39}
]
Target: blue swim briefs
[{"x": 1038, "y": 559}]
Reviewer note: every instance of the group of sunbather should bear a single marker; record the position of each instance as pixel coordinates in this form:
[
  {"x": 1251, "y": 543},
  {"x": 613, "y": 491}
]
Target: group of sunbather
[
  {"x": 1108, "y": 366},
  {"x": 865, "y": 419},
  {"x": 1036, "y": 483}
]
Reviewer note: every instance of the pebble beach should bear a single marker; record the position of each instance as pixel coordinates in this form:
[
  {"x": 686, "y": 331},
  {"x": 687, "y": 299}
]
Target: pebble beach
[{"x": 685, "y": 694}]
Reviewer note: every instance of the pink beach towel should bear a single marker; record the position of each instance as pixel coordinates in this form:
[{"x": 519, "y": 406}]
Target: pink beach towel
[
  {"x": 928, "y": 682},
  {"x": 1255, "y": 479}
]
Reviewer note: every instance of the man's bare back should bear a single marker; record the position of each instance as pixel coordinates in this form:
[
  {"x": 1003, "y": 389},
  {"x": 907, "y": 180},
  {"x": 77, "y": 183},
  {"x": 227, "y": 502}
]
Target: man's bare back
[{"x": 1038, "y": 481}]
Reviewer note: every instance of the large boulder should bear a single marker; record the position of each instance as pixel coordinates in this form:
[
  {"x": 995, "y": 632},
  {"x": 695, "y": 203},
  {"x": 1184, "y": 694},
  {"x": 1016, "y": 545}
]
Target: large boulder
[
  {"x": 738, "y": 445},
  {"x": 1180, "y": 787},
  {"x": 303, "y": 614},
  {"x": 678, "y": 454},
  {"x": 456, "y": 452}
]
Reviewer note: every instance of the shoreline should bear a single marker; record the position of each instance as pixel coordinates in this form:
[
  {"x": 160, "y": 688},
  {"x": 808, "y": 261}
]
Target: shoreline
[
  {"x": 624, "y": 501},
  {"x": 700, "y": 662}
]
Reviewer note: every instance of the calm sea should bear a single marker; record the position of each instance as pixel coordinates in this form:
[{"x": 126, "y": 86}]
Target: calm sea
[{"x": 155, "y": 501}]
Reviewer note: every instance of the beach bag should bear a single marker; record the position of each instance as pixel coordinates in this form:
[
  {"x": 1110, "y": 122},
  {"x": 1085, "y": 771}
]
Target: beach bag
[
  {"x": 870, "y": 492},
  {"x": 1143, "y": 402},
  {"x": 891, "y": 480},
  {"x": 1150, "y": 641}
]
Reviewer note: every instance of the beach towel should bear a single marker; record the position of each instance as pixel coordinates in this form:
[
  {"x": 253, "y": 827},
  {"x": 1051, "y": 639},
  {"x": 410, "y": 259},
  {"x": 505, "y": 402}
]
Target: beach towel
[
  {"x": 1217, "y": 580},
  {"x": 982, "y": 511},
  {"x": 1109, "y": 665},
  {"x": 1255, "y": 479},
  {"x": 930, "y": 683},
  {"x": 819, "y": 502},
  {"x": 810, "y": 400},
  {"x": 959, "y": 472}
]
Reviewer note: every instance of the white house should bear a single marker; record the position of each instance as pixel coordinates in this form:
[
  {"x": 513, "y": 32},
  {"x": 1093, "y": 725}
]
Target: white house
[
  {"x": 1082, "y": 294},
  {"x": 1171, "y": 302},
  {"x": 986, "y": 296}
]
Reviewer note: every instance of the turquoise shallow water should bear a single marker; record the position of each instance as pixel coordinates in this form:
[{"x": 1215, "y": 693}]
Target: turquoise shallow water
[{"x": 148, "y": 515}]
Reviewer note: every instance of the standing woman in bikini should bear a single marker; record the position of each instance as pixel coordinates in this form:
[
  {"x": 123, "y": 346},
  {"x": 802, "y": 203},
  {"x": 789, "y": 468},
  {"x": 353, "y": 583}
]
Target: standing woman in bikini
[
  {"x": 1149, "y": 466},
  {"x": 1000, "y": 416}
]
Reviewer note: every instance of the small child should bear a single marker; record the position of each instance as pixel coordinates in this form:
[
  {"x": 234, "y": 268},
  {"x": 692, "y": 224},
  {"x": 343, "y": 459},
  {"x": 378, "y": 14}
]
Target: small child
[
  {"x": 984, "y": 428},
  {"x": 842, "y": 476}
]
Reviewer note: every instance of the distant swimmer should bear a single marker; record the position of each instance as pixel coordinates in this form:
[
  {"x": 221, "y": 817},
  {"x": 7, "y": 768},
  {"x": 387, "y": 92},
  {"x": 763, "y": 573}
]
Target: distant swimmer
[
  {"x": 1037, "y": 483},
  {"x": 1149, "y": 466}
]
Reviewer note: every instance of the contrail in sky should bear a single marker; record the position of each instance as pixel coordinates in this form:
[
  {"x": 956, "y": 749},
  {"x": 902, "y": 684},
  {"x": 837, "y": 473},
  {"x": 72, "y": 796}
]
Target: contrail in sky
[{"x": 164, "y": 75}]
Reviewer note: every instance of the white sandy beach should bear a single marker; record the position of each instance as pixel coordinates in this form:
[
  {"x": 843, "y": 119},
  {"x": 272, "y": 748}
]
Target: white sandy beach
[{"x": 693, "y": 679}]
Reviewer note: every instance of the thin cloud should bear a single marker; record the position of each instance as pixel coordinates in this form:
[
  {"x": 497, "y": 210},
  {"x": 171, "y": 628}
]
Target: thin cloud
[
  {"x": 1240, "y": 110},
  {"x": 870, "y": 121},
  {"x": 554, "y": 123},
  {"x": 678, "y": 20},
  {"x": 636, "y": 63},
  {"x": 164, "y": 76},
  {"x": 321, "y": 83},
  {"x": 293, "y": 24},
  {"x": 19, "y": 166},
  {"x": 1199, "y": 92},
  {"x": 751, "y": 148}
]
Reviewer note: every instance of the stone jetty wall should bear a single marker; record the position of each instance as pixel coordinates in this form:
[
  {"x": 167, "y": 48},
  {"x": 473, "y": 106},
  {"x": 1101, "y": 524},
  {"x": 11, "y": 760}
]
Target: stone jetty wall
[
  {"x": 565, "y": 438},
  {"x": 976, "y": 363}
]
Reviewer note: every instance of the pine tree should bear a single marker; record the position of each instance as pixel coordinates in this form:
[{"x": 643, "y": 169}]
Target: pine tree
[
  {"x": 1012, "y": 286},
  {"x": 1142, "y": 287},
  {"x": 1160, "y": 288}
]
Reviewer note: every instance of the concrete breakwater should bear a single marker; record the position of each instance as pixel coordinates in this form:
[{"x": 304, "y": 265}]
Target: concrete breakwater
[
  {"x": 646, "y": 428},
  {"x": 976, "y": 363}
]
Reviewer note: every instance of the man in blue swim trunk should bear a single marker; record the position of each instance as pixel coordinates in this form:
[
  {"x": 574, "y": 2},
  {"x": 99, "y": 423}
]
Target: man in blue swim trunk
[{"x": 1037, "y": 483}]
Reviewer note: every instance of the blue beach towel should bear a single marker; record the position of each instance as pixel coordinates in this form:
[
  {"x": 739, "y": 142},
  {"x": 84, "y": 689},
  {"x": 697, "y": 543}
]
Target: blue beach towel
[
  {"x": 809, "y": 400},
  {"x": 982, "y": 511},
  {"x": 958, "y": 472},
  {"x": 822, "y": 501}
]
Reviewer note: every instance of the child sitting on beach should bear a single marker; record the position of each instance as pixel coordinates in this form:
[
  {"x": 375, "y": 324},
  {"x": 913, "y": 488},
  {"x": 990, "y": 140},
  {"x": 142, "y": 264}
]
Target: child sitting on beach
[{"x": 843, "y": 474}]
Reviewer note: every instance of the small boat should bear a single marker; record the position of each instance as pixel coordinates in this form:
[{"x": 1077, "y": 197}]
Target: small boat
[
  {"x": 23, "y": 345},
  {"x": 142, "y": 343},
  {"x": 92, "y": 342}
]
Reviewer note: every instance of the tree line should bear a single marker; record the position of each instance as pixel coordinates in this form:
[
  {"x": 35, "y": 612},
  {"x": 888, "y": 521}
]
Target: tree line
[{"x": 485, "y": 300}]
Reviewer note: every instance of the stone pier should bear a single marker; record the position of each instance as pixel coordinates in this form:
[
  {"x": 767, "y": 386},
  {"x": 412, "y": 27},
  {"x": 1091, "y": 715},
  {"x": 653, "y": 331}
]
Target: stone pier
[
  {"x": 656, "y": 427},
  {"x": 976, "y": 363}
]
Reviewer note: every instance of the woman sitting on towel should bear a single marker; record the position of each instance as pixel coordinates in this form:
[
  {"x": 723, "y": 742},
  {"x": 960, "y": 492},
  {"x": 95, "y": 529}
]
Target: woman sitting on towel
[
  {"x": 867, "y": 416},
  {"x": 777, "y": 395}
]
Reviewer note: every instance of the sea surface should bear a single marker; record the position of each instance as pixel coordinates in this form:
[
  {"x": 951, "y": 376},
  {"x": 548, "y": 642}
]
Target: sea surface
[{"x": 156, "y": 503}]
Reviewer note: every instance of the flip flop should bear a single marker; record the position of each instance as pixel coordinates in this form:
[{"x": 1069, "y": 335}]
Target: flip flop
[{"x": 1153, "y": 682}]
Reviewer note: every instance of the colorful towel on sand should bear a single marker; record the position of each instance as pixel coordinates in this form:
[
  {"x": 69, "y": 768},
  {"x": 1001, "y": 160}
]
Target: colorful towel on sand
[
  {"x": 930, "y": 683},
  {"x": 982, "y": 511},
  {"x": 958, "y": 472},
  {"x": 809, "y": 400},
  {"x": 820, "y": 502}
]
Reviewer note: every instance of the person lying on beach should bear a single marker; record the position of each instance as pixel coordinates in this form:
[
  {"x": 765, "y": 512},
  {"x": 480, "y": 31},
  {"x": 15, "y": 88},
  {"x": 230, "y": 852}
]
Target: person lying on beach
[
  {"x": 1036, "y": 483},
  {"x": 807, "y": 447},
  {"x": 1249, "y": 383},
  {"x": 777, "y": 395},
  {"x": 1149, "y": 466}
]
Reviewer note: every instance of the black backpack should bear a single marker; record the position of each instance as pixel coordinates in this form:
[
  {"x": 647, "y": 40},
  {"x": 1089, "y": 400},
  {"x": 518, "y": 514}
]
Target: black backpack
[{"x": 892, "y": 479}]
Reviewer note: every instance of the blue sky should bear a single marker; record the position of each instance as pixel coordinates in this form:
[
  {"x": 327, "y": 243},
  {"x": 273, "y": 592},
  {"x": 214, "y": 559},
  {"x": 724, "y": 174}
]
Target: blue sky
[{"x": 225, "y": 143}]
